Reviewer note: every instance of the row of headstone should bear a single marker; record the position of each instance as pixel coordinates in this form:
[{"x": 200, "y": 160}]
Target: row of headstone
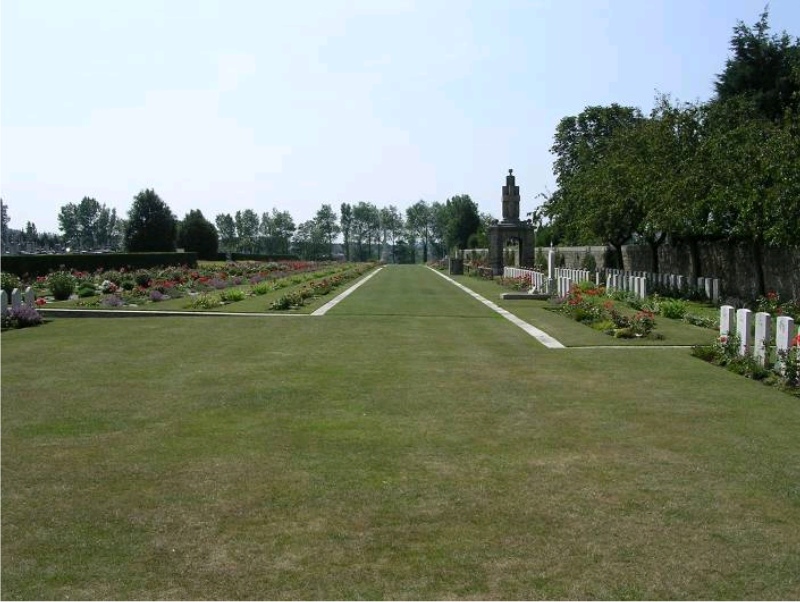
[
  {"x": 757, "y": 342},
  {"x": 18, "y": 299},
  {"x": 633, "y": 284},
  {"x": 537, "y": 279},
  {"x": 709, "y": 287},
  {"x": 574, "y": 275}
]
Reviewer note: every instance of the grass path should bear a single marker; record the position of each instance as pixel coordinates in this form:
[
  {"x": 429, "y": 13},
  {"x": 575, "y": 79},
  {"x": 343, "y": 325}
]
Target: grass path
[{"x": 409, "y": 444}]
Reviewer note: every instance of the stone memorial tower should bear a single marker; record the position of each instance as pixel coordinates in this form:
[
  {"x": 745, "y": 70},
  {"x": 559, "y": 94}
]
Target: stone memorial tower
[{"x": 510, "y": 230}]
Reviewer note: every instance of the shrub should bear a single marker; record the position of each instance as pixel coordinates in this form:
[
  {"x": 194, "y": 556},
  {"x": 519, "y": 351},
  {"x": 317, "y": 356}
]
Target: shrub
[
  {"x": 204, "y": 302},
  {"x": 674, "y": 309},
  {"x": 112, "y": 301},
  {"x": 142, "y": 278},
  {"x": 261, "y": 288},
  {"x": 588, "y": 262},
  {"x": 701, "y": 321},
  {"x": 61, "y": 285},
  {"x": 232, "y": 295},
  {"x": 156, "y": 296},
  {"x": 22, "y": 317},
  {"x": 9, "y": 283},
  {"x": 642, "y": 323},
  {"x": 86, "y": 290}
]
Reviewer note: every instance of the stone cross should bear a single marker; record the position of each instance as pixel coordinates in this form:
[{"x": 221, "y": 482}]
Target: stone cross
[{"x": 744, "y": 322}]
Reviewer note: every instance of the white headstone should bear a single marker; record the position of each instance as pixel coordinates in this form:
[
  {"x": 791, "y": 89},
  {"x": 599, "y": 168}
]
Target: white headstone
[
  {"x": 551, "y": 264},
  {"x": 30, "y": 298},
  {"x": 744, "y": 323},
  {"x": 763, "y": 337},
  {"x": 643, "y": 288},
  {"x": 16, "y": 299},
  {"x": 709, "y": 288},
  {"x": 715, "y": 290},
  {"x": 680, "y": 282},
  {"x": 3, "y": 303},
  {"x": 784, "y": 330},
  {"x": 727, "y": 326}
]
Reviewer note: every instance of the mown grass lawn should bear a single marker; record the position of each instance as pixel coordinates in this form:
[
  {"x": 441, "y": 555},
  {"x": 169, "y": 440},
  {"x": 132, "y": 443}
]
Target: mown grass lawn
[{"x": 409, "y": 444}]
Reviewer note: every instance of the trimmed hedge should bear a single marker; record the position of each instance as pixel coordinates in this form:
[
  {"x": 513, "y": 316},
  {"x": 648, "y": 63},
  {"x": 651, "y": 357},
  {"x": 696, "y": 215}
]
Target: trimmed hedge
[
  {"x": 258, "y": 257},
  {"x": 31, "y": 266}
]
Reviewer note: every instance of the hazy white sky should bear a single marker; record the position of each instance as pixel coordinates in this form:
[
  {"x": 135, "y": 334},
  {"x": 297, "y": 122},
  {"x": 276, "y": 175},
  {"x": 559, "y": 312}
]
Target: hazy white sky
[{"x": 254, "y": 104}]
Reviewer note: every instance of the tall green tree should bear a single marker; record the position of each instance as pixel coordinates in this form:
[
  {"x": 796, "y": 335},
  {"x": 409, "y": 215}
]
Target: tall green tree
[
  {"x": 327, "y": 222},
  {"x": 438, "y": 232},
  {"x": 247, "y": 224},
  {"x": 366, "y": 229},
  {"x": 5, "y": 219},
  {"x": 391, "y": 223},
  {"x": 89, "y": 224},
  {"x": 463, "y": 221},
  {"x": 151, "y": 224},
  {"x": 309, "y": 241},
  {"x": 196, "y": 233},
  {"x": 346, "y": 225},
  {"x": 763, "y": 68},
  {"x": 596, "y": 196},
  {"x": 226, "y": 226},
  {"x": 419, "y": 222}
]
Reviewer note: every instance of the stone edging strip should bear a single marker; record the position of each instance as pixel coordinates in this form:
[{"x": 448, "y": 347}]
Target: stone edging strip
[
  {"x": 541, "y": 336},
  {"x": 321, "y": 311}
]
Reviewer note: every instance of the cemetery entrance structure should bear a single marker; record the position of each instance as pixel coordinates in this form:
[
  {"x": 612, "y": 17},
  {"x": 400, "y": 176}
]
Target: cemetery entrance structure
[{"x": 510, "y": 231}]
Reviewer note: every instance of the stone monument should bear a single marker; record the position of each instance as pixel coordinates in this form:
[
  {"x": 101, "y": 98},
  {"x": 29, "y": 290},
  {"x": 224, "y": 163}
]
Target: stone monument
[{"x": 510, "y": 230}]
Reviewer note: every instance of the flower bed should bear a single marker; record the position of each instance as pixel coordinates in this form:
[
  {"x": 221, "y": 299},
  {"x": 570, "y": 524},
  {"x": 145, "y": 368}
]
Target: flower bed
[
  {"x": 725, "y": 353},
  {"x": 587, "y": 303}
]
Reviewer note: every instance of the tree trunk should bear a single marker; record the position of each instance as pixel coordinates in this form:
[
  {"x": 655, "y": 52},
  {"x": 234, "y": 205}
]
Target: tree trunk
[
  {"x": 618, "y": 255},
  {"x": 655, "y": 243},
  {"x": 694, "y": 252},
  {"x": 758, "y": 263}
]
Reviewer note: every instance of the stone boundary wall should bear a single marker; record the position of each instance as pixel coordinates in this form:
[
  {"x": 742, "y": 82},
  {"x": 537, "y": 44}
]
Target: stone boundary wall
[{"x": 733, "y": 264}]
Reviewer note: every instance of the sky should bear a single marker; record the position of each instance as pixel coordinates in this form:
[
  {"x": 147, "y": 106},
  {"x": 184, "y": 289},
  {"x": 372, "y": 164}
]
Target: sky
[{"x": 260, "y": 104}]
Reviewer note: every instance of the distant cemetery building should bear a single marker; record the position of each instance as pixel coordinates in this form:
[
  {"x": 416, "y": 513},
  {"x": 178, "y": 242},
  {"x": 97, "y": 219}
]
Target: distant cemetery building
[{"x": 511, "y": 233}]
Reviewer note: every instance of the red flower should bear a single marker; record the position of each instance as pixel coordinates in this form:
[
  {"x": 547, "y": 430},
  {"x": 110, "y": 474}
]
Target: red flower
[
  {"x": 796, "y": 341},
  {"x": 40, "y": 301}
]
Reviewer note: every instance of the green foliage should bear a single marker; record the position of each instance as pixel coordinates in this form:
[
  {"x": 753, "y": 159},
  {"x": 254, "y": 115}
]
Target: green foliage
[
  {"x": 231, "y": 295},
  {"x": 196, "y": 233},
  {"x": 588, "y": 262},
  {"x": 674, "y": 309},
  {"x": 204, "y": 301},
  {"x": 61, "y": 285},
  {"x": 725, "y": 353},
  {"x": 151, "y": 225},
  {"x": 702, "y": 321},
  {"x": 262, "y": 288},
  {"x": 86, "y": 289},
  {"x": 462, "y": 221},
  {"x": 763, "y": 68},
  {"x": 8, "y": 282}
]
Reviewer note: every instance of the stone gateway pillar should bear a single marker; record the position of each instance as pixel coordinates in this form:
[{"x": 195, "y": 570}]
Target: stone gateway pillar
[{"x": 510, "y": 230}]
